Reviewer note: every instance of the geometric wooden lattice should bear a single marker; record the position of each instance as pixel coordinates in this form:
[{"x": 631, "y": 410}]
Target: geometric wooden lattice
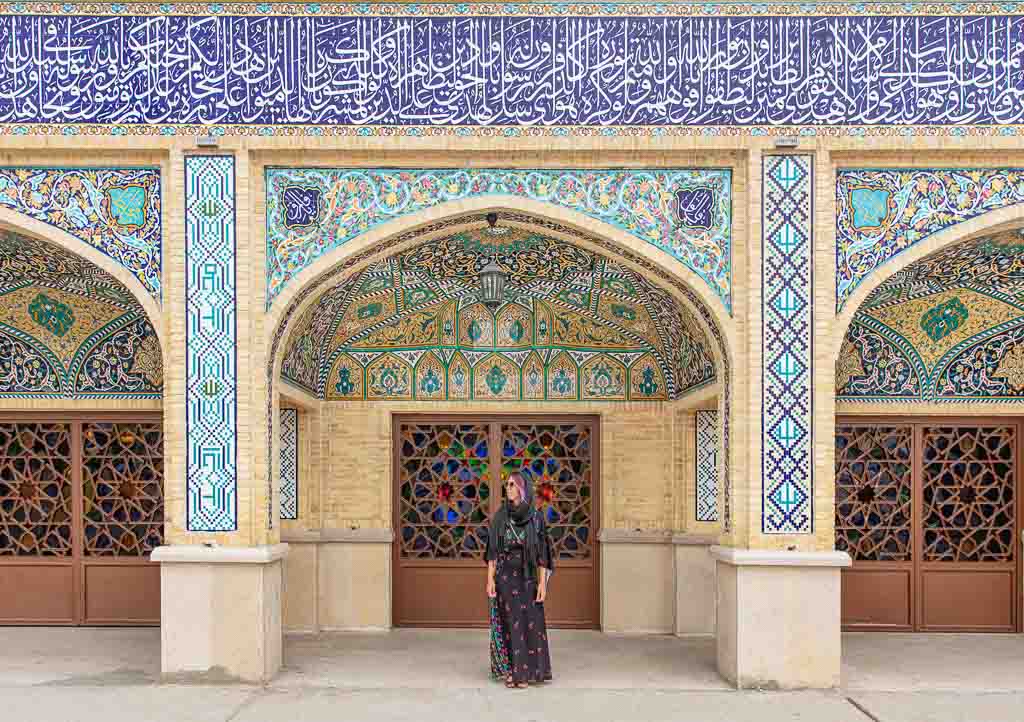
[
  {"x": 444, "y": 490},
  {"x": 35, "y": 490},
  {"x": 122, "y": 488},
  {"x": 874, "y": 492},
  {"x": 556, "y": 459},
  {"x": 968, "y": 496}
]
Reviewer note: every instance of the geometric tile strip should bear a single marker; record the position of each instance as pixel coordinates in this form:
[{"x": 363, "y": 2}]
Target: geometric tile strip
[
  {"x": 882, "y": 213},
  {"x": 707, "y": 465},
  {"x": 289, "y": 464},
  {"x": 787, "y": 460},
  {"x": 114, "y": 210},
  {"x": 211, "y": 392},
  {"x": 685, "y": 212}
]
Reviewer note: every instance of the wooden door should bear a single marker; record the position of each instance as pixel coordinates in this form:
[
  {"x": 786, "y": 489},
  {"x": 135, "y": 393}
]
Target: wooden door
[
  {"x": 928, "y": 509},
  {"x": 448, "y": 484},
  {"x": 81, "y": 507}
]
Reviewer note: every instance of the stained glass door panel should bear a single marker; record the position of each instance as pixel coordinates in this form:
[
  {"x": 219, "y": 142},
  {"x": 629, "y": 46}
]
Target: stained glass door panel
[
  {"x": 443, "y": 506},
  {"x": 874, "y": 523},
  {"x": 448, "y": 477},
  {"x": 444, "y": 491},
  {"x": 122, "y": 520},
  {"x": 555, "y": 459},
  {"x": 81, "y": 508},
  {"x": 968, "y": 542},
  {"x": 559, "y": 460},
  {"x": 37, "y": 524}
]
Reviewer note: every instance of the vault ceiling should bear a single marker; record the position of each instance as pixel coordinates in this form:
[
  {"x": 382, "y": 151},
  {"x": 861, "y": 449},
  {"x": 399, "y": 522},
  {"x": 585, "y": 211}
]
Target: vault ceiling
[
  {"x": 575, "y": 325},
  {"x": 947, "y": 326},
  {"x": 68, "y": 328}
]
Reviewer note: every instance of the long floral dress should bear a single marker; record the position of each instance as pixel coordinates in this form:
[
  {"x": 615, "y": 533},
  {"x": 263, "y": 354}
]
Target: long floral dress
[{"x": 519, "y": 635}]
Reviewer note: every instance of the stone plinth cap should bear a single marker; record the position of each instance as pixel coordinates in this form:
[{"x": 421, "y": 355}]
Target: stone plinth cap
[
  {"x": 764, "y": 558},
  {"x": 202, "y": 554}
]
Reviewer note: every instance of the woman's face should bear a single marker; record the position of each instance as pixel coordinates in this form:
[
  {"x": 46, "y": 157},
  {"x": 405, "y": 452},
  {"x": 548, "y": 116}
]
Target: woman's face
[{"x": 512, "y": 490}]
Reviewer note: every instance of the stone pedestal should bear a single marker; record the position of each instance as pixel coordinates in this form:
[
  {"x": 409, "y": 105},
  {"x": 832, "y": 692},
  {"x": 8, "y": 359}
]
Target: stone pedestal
[
  {"x": 779, "y": 618},
  {"x": 695, "y": 585},
  {"x": 220, "y": 612}
]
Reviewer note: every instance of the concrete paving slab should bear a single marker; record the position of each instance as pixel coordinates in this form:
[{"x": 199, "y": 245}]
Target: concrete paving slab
[
  {"x": 941, "y": 706},
  {"x": 952, "y": 662},
  {"x": 113, "y": 703},
  {"x": 36, "y": 655},
  {"x": 451, "y": 659},
  {"x": 544, "y": 704}
]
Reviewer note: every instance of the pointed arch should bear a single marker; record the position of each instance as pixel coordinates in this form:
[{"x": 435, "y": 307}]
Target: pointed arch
[
  {"x": 13, "y": 221},
  {"x": 990, "y": 223},
  {"x": 394, "y": 237}
]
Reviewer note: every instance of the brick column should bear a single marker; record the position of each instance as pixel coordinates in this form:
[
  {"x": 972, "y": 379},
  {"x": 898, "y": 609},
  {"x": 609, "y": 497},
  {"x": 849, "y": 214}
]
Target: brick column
[
  {"x": 221, "y": 570},
  {"x": 778, "y": 591}
]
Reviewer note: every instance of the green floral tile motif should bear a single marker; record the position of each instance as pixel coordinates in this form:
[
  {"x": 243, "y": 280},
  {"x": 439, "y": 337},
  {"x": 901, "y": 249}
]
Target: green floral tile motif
[
  {"x": 642, "y": 203},
  {"x": 496, "y": 380},
  {"x": 431, "y": 384},
  {"x": 648, "y": 386},
  {"x": 345, "y": 387},
  {"x": 116, "y": 211}
]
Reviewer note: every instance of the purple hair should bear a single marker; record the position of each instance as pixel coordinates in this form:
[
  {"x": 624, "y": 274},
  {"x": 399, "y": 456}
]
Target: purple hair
[{"x": 516, "y": 478}]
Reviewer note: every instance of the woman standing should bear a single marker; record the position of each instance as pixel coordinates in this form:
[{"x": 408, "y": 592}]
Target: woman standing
[{"x": 519, "y": 563}]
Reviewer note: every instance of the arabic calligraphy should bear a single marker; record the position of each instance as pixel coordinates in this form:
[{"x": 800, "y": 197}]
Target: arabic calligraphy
[
  {"x": 512, "y": 70},
  {"x": 696, "y": 206}
]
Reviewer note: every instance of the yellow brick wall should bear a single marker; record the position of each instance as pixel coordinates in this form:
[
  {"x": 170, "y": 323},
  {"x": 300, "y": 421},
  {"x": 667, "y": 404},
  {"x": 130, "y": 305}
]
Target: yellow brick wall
[{"x": 643, "y": 465}]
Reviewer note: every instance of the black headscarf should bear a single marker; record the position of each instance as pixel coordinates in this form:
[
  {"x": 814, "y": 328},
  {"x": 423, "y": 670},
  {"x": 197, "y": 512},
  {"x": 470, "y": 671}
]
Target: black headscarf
[{"x": 525, "y": 518}]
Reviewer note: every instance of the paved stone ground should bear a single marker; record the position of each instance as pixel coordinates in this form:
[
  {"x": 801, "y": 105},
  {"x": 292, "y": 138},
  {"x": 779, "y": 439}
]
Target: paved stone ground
[{"x": 103, "y": 675}]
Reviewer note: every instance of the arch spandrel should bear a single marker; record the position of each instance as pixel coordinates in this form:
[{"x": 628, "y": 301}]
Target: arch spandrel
[
  {"x": 889, "y": 218},
  {"x": 115, "y": 212},
  {"x": 686, "y": 213}
]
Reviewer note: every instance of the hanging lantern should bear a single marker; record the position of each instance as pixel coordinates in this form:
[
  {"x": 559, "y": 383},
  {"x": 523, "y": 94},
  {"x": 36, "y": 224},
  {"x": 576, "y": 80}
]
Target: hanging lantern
[
  {"x": 492, "y": 276},
  {"x": 492, "y": 285}
]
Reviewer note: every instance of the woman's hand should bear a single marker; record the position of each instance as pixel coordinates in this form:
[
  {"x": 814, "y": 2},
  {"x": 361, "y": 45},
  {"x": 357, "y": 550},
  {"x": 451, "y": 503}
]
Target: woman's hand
[{"x": 492, "y": 591}]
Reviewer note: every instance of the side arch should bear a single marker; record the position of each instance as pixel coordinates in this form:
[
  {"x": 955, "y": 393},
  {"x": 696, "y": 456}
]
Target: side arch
[
  {"x": 996, "y": 221},
  {"x": 16, "y": 222}
]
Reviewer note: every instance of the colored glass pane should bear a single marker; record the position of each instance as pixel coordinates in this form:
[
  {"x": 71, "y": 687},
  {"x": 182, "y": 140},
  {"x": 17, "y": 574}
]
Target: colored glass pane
[{"x": 443, "y": 494}]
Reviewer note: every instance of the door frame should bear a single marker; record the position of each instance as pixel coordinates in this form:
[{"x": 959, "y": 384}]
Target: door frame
[
  {"x": 77, "y": 561},
  {"x": 916, "y": 422},
  {"x": 485, "y": 417}
]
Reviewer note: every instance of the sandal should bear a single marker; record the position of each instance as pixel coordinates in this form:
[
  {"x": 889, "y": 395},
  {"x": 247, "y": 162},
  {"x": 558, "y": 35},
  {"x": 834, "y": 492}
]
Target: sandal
[{"x": 509, "y": 683}]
